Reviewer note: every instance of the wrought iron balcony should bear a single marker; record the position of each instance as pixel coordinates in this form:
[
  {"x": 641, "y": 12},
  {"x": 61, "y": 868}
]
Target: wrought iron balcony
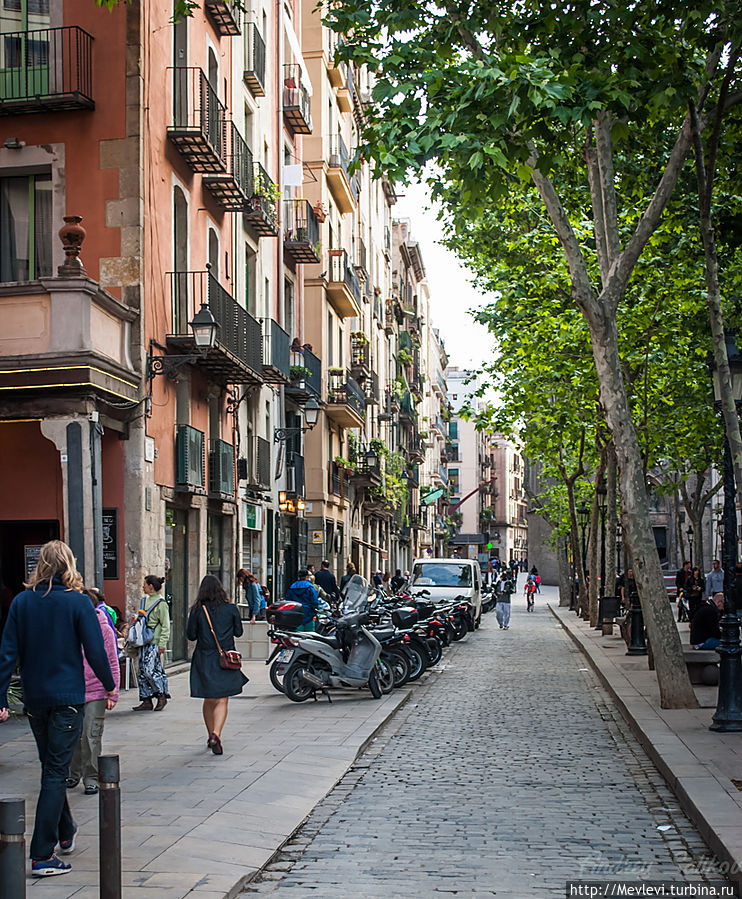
[
  {"x": 346, "y": 401},
  {"x": 221, "y": 468},
  {"x": 198, "y": 129},
  {"x": 416, "y": 447},
  {"x": 46, "y": 69},
  {"x": 236, "y": 357},
  {"x": 254, "y": 71},
  {"x": 306, "y": 376},
  {"x": 226, "y": 16},
  {"x": 407, "y": 411},
  {"x": 371, "y": 389},
  {"x": 261, "y": 212},
  {"x": 361, "y": 262},
  {"x": 297, "y": 105},
  {"x": 233, "y": 187},
  {"x": 338, "y": 175},
  {"x": 338, "y": 480},
  {"x": 301, "y": 231},
  {"x": 343, "y": 286},
  {"x": 360, "y": 351},
  {"x": 276, "y": 353}
]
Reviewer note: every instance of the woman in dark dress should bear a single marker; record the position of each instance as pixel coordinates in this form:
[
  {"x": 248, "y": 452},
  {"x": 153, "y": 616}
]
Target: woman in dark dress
[
  {"x": 209, "y": 681},
  {"x": 695, "y": 587}
]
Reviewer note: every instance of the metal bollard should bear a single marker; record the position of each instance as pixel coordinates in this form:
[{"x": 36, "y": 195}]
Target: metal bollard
[
  {"x": 12, "y": 849},
  {"x": 109, "y": 839}
]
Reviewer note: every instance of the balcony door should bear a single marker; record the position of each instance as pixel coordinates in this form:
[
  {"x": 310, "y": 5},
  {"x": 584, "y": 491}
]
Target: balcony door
[
  {"x": 24, "y": 57},
  {"x": 25, "y": 227}
]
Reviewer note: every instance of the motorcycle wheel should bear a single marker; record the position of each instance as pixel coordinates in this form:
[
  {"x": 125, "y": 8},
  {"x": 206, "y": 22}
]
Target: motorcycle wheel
[
  {"x": 435, "y": 650},
  {"x": 416, "y": 661},
  {"x": 400, "y": 667},
  {"x": 275, "y": 679},
  {"x": 460, "y": 628},
  {"x": 385, "y": 675},
  {"x": 373, "y": 684},
  {"x": 294, "y": 686}
]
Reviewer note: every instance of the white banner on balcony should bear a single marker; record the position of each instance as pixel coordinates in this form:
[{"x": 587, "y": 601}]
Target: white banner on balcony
[{"x": 292, "y": 175}]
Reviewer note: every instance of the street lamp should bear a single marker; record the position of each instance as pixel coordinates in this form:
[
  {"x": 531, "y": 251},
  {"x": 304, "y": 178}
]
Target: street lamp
[
  {"x": 689, "y": 534},
  {"x": 601, "y": 493},
  {"x": 372, "y": 460},
  {"x": 204, "y": 327},
  {"x": 619, "y": 548},
  {"x": 311, "y": 416},
  {"x": 583, "y": 517},
  {"x": 728, "y": 715}
]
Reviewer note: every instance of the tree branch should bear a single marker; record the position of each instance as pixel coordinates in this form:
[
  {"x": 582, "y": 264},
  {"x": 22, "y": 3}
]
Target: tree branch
[
  {"x": 590, "y": 155},
  {"x": 604, "y": 147}
]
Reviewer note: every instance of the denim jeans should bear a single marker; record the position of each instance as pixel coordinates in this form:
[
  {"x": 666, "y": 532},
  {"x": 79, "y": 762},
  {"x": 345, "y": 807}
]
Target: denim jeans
[
  {"x": 502, "y": 613},
  {"x": 56, "y": 731}
]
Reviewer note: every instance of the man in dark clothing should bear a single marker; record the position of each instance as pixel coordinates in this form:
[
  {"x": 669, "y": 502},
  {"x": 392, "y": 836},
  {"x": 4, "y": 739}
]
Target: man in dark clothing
[
  {"x": 705, "y": 632},
  {"x": 398, "y": 580},
  {"x": 48, "y": 627},
  {"x": 326, "y": 579},
  {"x": 302, "y": 590},
  {"x": 681, "y": 577}
]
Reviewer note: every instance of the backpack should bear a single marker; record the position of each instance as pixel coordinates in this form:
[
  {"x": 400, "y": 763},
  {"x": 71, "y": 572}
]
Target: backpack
[{"x": 140, "y": 633}]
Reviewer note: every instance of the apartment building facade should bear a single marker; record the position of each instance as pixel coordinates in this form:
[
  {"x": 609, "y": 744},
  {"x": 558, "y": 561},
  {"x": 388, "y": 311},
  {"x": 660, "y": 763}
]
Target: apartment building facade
[{"x": 202, "y": 372}]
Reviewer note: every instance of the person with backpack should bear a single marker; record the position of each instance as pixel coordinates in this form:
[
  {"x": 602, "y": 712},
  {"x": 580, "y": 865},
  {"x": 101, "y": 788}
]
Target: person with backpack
[
  {"x": 303, "y": 591},
  {"x": 506, "y": 588},
  {"x": 153, "y": 619}
]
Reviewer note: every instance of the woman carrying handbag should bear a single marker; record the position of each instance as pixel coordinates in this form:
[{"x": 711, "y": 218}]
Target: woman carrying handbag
[{"x": 213, "y": 623}]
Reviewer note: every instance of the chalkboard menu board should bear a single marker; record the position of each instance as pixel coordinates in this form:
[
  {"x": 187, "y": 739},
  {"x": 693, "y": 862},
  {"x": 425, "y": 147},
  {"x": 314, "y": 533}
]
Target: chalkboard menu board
[{"x": 110, "y": 544}]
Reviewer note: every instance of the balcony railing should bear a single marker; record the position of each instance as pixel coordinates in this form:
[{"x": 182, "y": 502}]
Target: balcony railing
[
  {"x": 360, "y": 352},
  {"x": 198, "y": 129},
  {"x": 297, "y": 105},
  {"x": 226, "y": 16},
  {"x": 221, "y": 468},
  {"x": 261, "y": 211},
  {"x": 343, "y": 390},
  {"x": 371, "y": 389},
  {"x": 46, "y": 69},
  {"x": 276, "y": 353},
  {"x": 338, "y": 174},
  {"x": 237, "y": 354},
  {"x": 301, "y": 231},
  {"x": 340, "y": 271},
  {"x": 233, "y": 187},
  {"x": 338, "y": 480},
  {"x": 254, "y": 71},
  {"x": 361, "y": 262}
]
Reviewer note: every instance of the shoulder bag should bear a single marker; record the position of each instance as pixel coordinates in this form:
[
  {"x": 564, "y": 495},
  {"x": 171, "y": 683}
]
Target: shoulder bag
[{"x": 230, "y": 658}]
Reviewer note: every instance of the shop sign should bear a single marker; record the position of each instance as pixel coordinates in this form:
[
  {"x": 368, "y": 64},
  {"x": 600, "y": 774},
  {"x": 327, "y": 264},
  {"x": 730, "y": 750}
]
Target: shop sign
[
  {"x": 110, "y": 544},
  {"x": 317, "y": 536},
  {"x": 31, "y": 556},
  {"x": 252, "y": 517}
]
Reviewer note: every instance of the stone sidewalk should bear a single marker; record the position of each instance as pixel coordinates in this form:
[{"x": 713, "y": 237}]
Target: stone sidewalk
[
  {"x": 703, "y": 768},
  {"x": 195, "y": 824}
]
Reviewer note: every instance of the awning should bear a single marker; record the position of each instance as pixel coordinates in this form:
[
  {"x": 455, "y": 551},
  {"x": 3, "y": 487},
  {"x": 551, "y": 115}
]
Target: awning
[{"x": 466, "y": 539}]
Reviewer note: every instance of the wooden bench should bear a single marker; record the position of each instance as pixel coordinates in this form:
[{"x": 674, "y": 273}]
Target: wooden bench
[{"x": 702, "y": 665}]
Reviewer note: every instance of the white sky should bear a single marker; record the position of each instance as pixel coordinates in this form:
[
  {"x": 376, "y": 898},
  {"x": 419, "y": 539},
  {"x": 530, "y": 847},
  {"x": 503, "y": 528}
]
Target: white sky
[{"x": 451, "y": 293}]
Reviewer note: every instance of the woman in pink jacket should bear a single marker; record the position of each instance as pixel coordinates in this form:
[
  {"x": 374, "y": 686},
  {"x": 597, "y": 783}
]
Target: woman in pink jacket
[{"x": 85, "y": 761}]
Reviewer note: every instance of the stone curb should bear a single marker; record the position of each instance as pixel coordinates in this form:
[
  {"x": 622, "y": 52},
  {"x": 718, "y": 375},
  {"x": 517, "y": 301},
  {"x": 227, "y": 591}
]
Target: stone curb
[{"x": 659, "y": 746}]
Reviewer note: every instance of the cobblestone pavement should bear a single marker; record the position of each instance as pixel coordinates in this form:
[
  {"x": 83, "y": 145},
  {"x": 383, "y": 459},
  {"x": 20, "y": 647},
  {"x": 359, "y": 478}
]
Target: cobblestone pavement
[{"x": 507, "y": 773}]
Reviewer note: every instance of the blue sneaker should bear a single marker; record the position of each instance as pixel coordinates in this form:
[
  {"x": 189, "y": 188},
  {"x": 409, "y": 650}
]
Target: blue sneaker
[
  {"x": 67, "y": 847},
  {"x": 49, "y": 867}
]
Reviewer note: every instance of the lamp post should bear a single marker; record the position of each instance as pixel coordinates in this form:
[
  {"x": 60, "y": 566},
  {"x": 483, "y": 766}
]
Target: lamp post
[
  {"x": 583, "y": 516},
  {"x": 204, "y": 327},
  {"x": 311, "y": 416},
  {"x": 601, "y": 492},
  {"x": 619, "y": 548},
  {"x": 728, "y": 715},
  {"x": 689, "y": 534}
]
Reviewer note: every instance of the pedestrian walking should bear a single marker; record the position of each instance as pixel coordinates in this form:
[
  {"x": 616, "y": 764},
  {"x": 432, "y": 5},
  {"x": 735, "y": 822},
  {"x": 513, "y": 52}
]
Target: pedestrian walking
[
  {"x": 214, "y": 622},
  {"x": 502, "y": 607},
  {"x": 715, "y": 579},
  {"x": 397, "y": 581},
  {"x": 302, "y": 591},
  {"x": 49, "y": 626},
  {"x": 681, "y": 576},
  {"x": 694, "y": 590},
  {"x": 326, "y": 579},
  {"x": 253, "y": 593},
  {"x": 84, "y": 764},
  {"x": 151, "y": 675}
]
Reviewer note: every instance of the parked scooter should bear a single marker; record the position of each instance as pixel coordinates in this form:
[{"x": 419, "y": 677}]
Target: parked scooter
[{"x": 349, "y": 658}]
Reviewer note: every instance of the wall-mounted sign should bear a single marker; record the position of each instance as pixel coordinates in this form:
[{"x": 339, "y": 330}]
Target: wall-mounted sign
[
  {"x": 31, "y": 555},
  {"x": 252, "y": 517},
  {"x": 110, "y": 544},
  {"x": 317, "y": 536}
]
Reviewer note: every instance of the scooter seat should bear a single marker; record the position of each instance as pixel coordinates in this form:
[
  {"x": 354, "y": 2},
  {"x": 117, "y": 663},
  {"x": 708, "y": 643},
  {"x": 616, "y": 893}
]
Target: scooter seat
[
  {"x": 330, "y": 641},
  {"x": 384, "y": 634}
]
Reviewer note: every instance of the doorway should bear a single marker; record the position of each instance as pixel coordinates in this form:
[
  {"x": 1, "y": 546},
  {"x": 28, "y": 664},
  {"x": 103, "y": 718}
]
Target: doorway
[{"x": 176, "y": 578}]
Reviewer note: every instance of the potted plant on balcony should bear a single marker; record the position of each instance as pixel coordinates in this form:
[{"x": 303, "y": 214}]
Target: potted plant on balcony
[
  {"x": 404, "y": 357},
  {"x": 299, "y": 374},
  {"x": 320, "y": 211},
  {"x": 345, "y": 464}
]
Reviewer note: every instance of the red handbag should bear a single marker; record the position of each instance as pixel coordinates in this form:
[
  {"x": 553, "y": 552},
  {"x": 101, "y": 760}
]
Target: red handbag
[{"x": 230, "y": 658}]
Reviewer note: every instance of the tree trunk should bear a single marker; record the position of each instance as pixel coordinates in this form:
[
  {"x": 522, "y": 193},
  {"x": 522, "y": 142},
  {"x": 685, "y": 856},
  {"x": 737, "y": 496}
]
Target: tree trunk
[
  {"x": 595, "y": 546},
  {"x": 576, "y": 549},
  {"x": 610, "y": 523},
  {"x": 672, "y": 676},
  {"x": 565, "y": 574},
  {"x": 698, "y": 544}
]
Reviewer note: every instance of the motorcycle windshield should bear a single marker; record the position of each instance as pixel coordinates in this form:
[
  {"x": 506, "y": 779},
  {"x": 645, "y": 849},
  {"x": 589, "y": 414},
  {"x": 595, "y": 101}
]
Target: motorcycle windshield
[{"x": 356, "y": 595}]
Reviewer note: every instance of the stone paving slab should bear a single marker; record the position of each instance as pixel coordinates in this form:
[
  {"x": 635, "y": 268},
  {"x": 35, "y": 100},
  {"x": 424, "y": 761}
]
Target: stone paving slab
[
  {"x": 698, "y": 764},
  {"x": 195, "y": 824}
]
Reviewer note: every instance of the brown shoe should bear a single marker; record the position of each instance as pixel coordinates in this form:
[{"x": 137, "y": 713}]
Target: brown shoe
[
  {"x": 161, "y": 703},
  {"x": 144, "y": 706}
]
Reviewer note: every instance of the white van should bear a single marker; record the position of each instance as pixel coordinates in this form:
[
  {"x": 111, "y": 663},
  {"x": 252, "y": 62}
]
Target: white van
[{"x": 448, "y": 579}]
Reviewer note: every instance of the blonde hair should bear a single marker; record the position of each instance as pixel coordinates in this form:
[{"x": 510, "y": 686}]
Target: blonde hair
[{"x": 55, "y": 557}]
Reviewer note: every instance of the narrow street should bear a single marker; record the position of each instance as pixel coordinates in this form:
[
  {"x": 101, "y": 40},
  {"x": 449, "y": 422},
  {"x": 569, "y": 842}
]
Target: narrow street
[{"x": 508, "y": 773}]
